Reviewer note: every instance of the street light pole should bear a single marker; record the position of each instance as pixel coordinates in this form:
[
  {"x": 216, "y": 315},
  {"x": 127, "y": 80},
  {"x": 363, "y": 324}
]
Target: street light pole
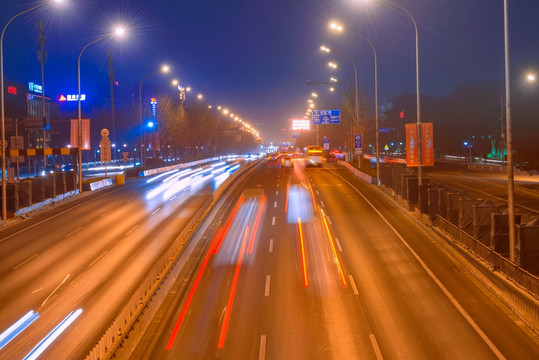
[
  {"x": 356, "y": 95},
  {"x": 2, "y": 110},
  {"x": 375, "y": 99},
  {"x": 79, "y": 129},
  {"x": 418, "y": 95},
  {"x": 509, "y": 142}
]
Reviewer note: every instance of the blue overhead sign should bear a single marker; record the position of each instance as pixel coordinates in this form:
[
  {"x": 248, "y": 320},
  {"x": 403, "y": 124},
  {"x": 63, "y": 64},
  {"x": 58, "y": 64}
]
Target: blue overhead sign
[
  {"x": 384, "y": 130},
  {"x": 326, "y": 117}
]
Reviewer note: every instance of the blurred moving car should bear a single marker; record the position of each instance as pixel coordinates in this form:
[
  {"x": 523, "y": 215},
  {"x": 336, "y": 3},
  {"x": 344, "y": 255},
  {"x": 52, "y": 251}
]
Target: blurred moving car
[{"x": 287, "y": 161}]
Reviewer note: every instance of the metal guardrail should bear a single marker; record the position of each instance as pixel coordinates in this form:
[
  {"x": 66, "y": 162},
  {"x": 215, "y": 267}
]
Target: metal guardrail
[
  {"x": 157, "y": 275},
  {"x": 497, "y": 261}
]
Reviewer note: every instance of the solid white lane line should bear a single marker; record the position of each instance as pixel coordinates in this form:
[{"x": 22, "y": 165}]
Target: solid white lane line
[
  {"x": 273, "y": 221},
  {"x": 48, "y": 297},
  {"x": 132, "y": 229},
  {"x": 271, "y": 245},
  {"x": 262, "y": 351},
  {"x": 156, "y": 210},
  {"x": 105, "y": 214},
  {"x": 172, "y": 198},
  {"x": 353, "y": 283},
  {"x": 451, "y": 298},
  {"x": 74, "y": 231},
  {"x": 277, "y": 193},
  {"x": 25, "y": 261},
  {"x": 267, "y": 289},
  {"x": 275, "y": 204},
  {"x": 338, "y": 244},
  {"x": 98, "y": 258},
  {"x": 329, "y": 220},
  {"x": 376, "y": 347},
  {"x": 322, "y": 203}
]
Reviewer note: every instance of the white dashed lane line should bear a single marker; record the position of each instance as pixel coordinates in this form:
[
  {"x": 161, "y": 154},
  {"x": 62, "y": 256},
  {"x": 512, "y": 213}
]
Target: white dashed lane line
[
  {"x": 353, "y": 283},
  {"x": 322, "y": 203},
  {"x": 267, "y": 288},
  {"x": 74, "y": 231},
  {"x": 25, "y": 261},
  {"x": 273, "y": 221},
  {"x": 338, "y": 244},
  {"x": 275, "y": 204},
  {"x": 271, "y": 245}
]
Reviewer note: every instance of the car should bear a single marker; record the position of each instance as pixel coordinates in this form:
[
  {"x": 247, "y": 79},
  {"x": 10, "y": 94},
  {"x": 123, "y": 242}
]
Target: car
[{"x": 286, "y": 161}]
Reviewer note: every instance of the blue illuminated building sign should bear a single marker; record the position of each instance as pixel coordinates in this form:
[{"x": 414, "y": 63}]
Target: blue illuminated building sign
[{"x": 35, "y": 88}]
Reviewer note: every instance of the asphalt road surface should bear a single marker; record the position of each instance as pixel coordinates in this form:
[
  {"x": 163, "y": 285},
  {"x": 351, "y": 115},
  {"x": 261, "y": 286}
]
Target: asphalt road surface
[
  {"x": 73, "y": 268},
  {"x": 311, "y": 263}
]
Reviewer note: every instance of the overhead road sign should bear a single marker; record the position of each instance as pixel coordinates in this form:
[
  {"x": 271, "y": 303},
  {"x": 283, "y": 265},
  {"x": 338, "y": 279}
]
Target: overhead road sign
[{"x": 326, "y": 117}]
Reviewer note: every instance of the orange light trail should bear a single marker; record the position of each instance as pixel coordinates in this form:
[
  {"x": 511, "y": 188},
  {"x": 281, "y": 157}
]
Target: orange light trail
[
  {"x": 339, "y": 267},
  {"x": 312, "y": 197},
  {"x": 286, "y": 202},
  {"x": 255, "y": 227},
  {"x": 304, "y": 261},
  {"x": 189, "y": 297},
  {"x": 230, "y": 302},
  {"x": 225, "y": 230}
]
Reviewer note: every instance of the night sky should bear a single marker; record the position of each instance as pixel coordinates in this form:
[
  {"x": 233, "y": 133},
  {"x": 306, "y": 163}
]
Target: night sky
[{"x": 255, "y": 56}]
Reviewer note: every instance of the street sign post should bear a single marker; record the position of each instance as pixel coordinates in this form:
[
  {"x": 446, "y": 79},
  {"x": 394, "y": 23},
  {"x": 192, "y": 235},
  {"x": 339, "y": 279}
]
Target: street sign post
[
  {"x": 326, "y": 143},
  {"x": 358, "y": 143},
  {"x": 326, "y": 117}
]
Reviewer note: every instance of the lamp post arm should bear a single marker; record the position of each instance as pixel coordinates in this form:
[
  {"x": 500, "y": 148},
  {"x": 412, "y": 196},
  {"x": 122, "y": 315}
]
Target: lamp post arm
[
  {"x": 79, "y": 122},
  {"x": 419, "y": 145},
  {"x": 375, "y": 102}
]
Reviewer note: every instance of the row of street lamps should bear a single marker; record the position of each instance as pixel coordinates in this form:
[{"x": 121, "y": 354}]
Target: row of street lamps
[
  {"x": 118, "y": 32},
  {"x": 510, "y": 170}
]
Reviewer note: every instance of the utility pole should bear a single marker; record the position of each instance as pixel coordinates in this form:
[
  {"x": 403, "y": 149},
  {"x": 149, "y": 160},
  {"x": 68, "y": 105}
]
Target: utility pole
[
  {"x": 42, "y": 58},
  {"x": 111, "y": 80}
]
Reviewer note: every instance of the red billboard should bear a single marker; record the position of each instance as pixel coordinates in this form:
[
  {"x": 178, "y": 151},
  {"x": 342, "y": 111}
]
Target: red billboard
[{"x": 85, "y": 133}]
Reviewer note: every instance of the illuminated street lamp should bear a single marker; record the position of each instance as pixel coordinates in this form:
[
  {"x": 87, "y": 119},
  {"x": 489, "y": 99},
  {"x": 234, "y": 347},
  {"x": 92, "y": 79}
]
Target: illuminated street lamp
[
  {"x": 118, "y": 32},
  {"x": 3, "y": 130},
  {"x": 200, "y": 96},
  {"x": 531, "y": 77},
  {"x": 164, "y": 69},
  {"x": 418, "y": 122},
  {"x": 334, "y": 66},
  {"x": 339, "y": 28}
]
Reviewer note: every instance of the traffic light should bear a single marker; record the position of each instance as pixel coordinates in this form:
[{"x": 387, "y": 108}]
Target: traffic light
[{"x": 401, "y": 114}]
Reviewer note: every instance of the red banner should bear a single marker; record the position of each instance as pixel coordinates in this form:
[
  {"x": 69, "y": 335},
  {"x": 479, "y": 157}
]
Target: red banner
[
  {"x": 85, "y": 133},
  {"x": 411, "y": 145},
  {"x": 427, "y": 145}
]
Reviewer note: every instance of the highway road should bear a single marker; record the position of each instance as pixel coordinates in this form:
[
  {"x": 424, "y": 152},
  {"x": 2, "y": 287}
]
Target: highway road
[
  {"x": 493, "y": 186},
  {"x": 79, "y": 262},
  {"x": 311, "y": 263}
]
